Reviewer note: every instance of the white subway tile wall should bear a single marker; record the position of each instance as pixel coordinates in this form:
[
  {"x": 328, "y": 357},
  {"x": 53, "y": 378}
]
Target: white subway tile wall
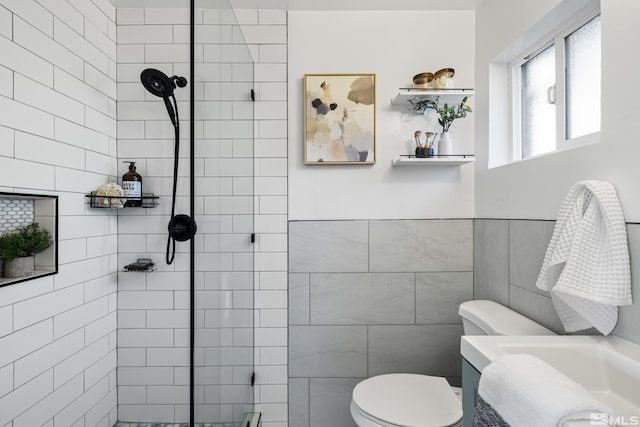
[
  {"x": 57, "y": 136},
  {"x": 153, "y": 317},
  {"x": 266, "y": 34}
]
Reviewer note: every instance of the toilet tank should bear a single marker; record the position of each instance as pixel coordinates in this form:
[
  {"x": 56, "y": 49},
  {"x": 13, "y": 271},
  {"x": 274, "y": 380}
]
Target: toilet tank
[{"x": 481, "y": 317}]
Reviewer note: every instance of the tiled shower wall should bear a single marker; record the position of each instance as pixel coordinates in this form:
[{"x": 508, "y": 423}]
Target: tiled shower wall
[
  {"x": 265, "y": 31},
  {"x": 369, "y": 298},
  {"x": 507, "y": 259},
  {"x": 153, "y": 315},
  {"x": 57, "y": 135}
]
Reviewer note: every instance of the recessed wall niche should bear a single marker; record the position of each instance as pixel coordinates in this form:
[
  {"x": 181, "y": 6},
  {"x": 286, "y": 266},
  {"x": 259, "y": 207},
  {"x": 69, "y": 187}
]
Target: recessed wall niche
[{"x": 19, "y": 210}]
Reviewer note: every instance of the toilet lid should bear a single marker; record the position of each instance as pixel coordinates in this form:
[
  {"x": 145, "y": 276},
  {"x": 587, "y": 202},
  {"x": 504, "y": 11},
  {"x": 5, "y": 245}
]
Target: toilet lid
[{"x": 408, "y": 400}]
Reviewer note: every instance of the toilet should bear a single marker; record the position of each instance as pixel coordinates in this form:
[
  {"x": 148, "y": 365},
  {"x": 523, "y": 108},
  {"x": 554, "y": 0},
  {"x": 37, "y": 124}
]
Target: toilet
[{"x": 413, "y": 400}]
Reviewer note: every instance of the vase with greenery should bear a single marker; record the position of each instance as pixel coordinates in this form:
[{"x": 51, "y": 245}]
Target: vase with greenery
[
  {"x": 18, "y": 247},
  {"x": 446, "y": 116}
]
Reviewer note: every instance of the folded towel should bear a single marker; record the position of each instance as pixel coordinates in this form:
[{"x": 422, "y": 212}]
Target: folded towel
[
  {"x": 586, "y": 266},
  {"x": 528, "y": 392},
  {"x": 486, "y": 416}
]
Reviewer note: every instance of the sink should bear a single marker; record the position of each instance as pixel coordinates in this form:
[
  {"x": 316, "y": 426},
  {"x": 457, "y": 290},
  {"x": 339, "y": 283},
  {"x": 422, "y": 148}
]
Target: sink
[{"x": 608, "y": 367}]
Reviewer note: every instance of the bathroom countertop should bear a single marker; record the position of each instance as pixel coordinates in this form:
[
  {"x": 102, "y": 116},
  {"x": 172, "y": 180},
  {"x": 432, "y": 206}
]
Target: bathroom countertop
[{"x": 608, "y": 367}]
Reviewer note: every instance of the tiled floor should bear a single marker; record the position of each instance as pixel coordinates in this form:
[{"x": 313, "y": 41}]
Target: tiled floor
[
  {"x": 251, "y": 419},
  {"x": 177, "y": 425}
]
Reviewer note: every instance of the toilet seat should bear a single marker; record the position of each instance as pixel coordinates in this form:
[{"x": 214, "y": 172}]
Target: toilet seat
[{"x": 405, "y": 400}]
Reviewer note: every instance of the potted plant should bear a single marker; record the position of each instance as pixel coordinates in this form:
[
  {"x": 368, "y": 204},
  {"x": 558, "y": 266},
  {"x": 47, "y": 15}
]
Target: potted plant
[
  {"x": 18, "y": 247},
  {"x": 446, "y": 116}
]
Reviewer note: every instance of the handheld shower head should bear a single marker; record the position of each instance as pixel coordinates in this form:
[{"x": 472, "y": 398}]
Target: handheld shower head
[
  {"x": 159, "y": 84},
  {"x": 181, "y": 227}
]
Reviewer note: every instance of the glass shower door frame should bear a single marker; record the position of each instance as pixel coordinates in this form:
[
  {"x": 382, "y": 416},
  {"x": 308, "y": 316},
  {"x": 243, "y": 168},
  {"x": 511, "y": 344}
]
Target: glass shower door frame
[{"x": 239, "y": 385}]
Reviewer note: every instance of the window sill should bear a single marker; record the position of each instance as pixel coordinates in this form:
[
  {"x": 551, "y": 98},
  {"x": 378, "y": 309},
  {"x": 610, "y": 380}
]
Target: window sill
[{"x": 576, "y": 143}]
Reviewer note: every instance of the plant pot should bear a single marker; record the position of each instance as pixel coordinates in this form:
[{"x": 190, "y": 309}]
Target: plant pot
[
  {"x": 445, "y": 145},
  {"x": 19, "y": 267}
]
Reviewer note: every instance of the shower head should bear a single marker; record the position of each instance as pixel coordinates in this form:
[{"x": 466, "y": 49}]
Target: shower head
[{"x": 159, "y": 84}]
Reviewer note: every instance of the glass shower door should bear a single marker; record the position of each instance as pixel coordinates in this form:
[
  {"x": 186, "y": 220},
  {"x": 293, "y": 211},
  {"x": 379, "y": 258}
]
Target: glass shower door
[{"x": 224, "y": 261}]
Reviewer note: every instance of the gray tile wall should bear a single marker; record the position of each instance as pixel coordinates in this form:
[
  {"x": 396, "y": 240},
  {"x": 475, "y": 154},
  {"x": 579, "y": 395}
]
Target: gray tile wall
[
  {"x": 511, "y": 280},
  {"x": 368, "y": 298}
]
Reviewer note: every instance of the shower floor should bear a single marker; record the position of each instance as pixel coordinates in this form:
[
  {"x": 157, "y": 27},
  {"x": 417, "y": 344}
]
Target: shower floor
[
  {"x": 177, "y": 425},
  {"x": 251, "y": 419}
]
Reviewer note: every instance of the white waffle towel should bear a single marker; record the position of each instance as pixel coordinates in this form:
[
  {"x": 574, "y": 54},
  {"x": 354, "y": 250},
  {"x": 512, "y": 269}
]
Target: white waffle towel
[
  {"x": 528, "y": 392},
  {"x": 586, "y": 266}
]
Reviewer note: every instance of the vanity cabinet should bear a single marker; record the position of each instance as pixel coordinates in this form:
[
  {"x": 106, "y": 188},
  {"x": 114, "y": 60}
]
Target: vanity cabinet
[{"x": 470, "y": 382}]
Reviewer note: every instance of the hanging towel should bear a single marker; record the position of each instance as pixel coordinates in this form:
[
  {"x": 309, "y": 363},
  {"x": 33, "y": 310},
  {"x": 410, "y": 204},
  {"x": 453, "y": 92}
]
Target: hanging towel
[
  {"x": 586, "y": 266},
  {"x": 527, "y": 392}
]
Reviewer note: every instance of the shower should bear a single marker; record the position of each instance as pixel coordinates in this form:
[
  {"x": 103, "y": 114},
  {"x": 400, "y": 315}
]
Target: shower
[
  {"x": 181, "y": 227},
  {"x": 204, "y": 373}
]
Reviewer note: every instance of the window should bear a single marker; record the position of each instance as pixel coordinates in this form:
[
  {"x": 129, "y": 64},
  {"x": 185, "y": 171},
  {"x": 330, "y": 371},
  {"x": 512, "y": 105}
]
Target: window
[
  {"x": 538, "y": 114},
  {"x": 582, "y": 76},
  {"x": 556, "y": 90}
]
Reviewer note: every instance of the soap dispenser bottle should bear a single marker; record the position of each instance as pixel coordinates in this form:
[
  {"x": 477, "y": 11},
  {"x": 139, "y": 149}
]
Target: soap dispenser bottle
[{"x": 132, "y": 186}]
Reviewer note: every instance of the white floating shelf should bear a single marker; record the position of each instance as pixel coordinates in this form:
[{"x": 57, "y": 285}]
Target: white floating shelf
[
  {"x": 453, "y": 96},
  {"x": 432, "y": 161}
]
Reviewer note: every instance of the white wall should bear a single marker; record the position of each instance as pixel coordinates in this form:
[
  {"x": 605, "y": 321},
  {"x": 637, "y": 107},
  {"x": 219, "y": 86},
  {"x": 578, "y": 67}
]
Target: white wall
[
  {"x": 57, "y": 136},
  {"x": 395, "y": 45},
  {"x": 535, "y": 188}
]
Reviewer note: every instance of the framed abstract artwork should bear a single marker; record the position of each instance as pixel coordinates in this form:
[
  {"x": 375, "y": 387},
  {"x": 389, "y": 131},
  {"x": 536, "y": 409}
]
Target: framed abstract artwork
[{"x": 339, "y": 119}]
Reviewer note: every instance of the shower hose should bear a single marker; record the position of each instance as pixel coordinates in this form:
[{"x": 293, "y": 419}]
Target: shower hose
[{"x": 171, "y": 241}]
